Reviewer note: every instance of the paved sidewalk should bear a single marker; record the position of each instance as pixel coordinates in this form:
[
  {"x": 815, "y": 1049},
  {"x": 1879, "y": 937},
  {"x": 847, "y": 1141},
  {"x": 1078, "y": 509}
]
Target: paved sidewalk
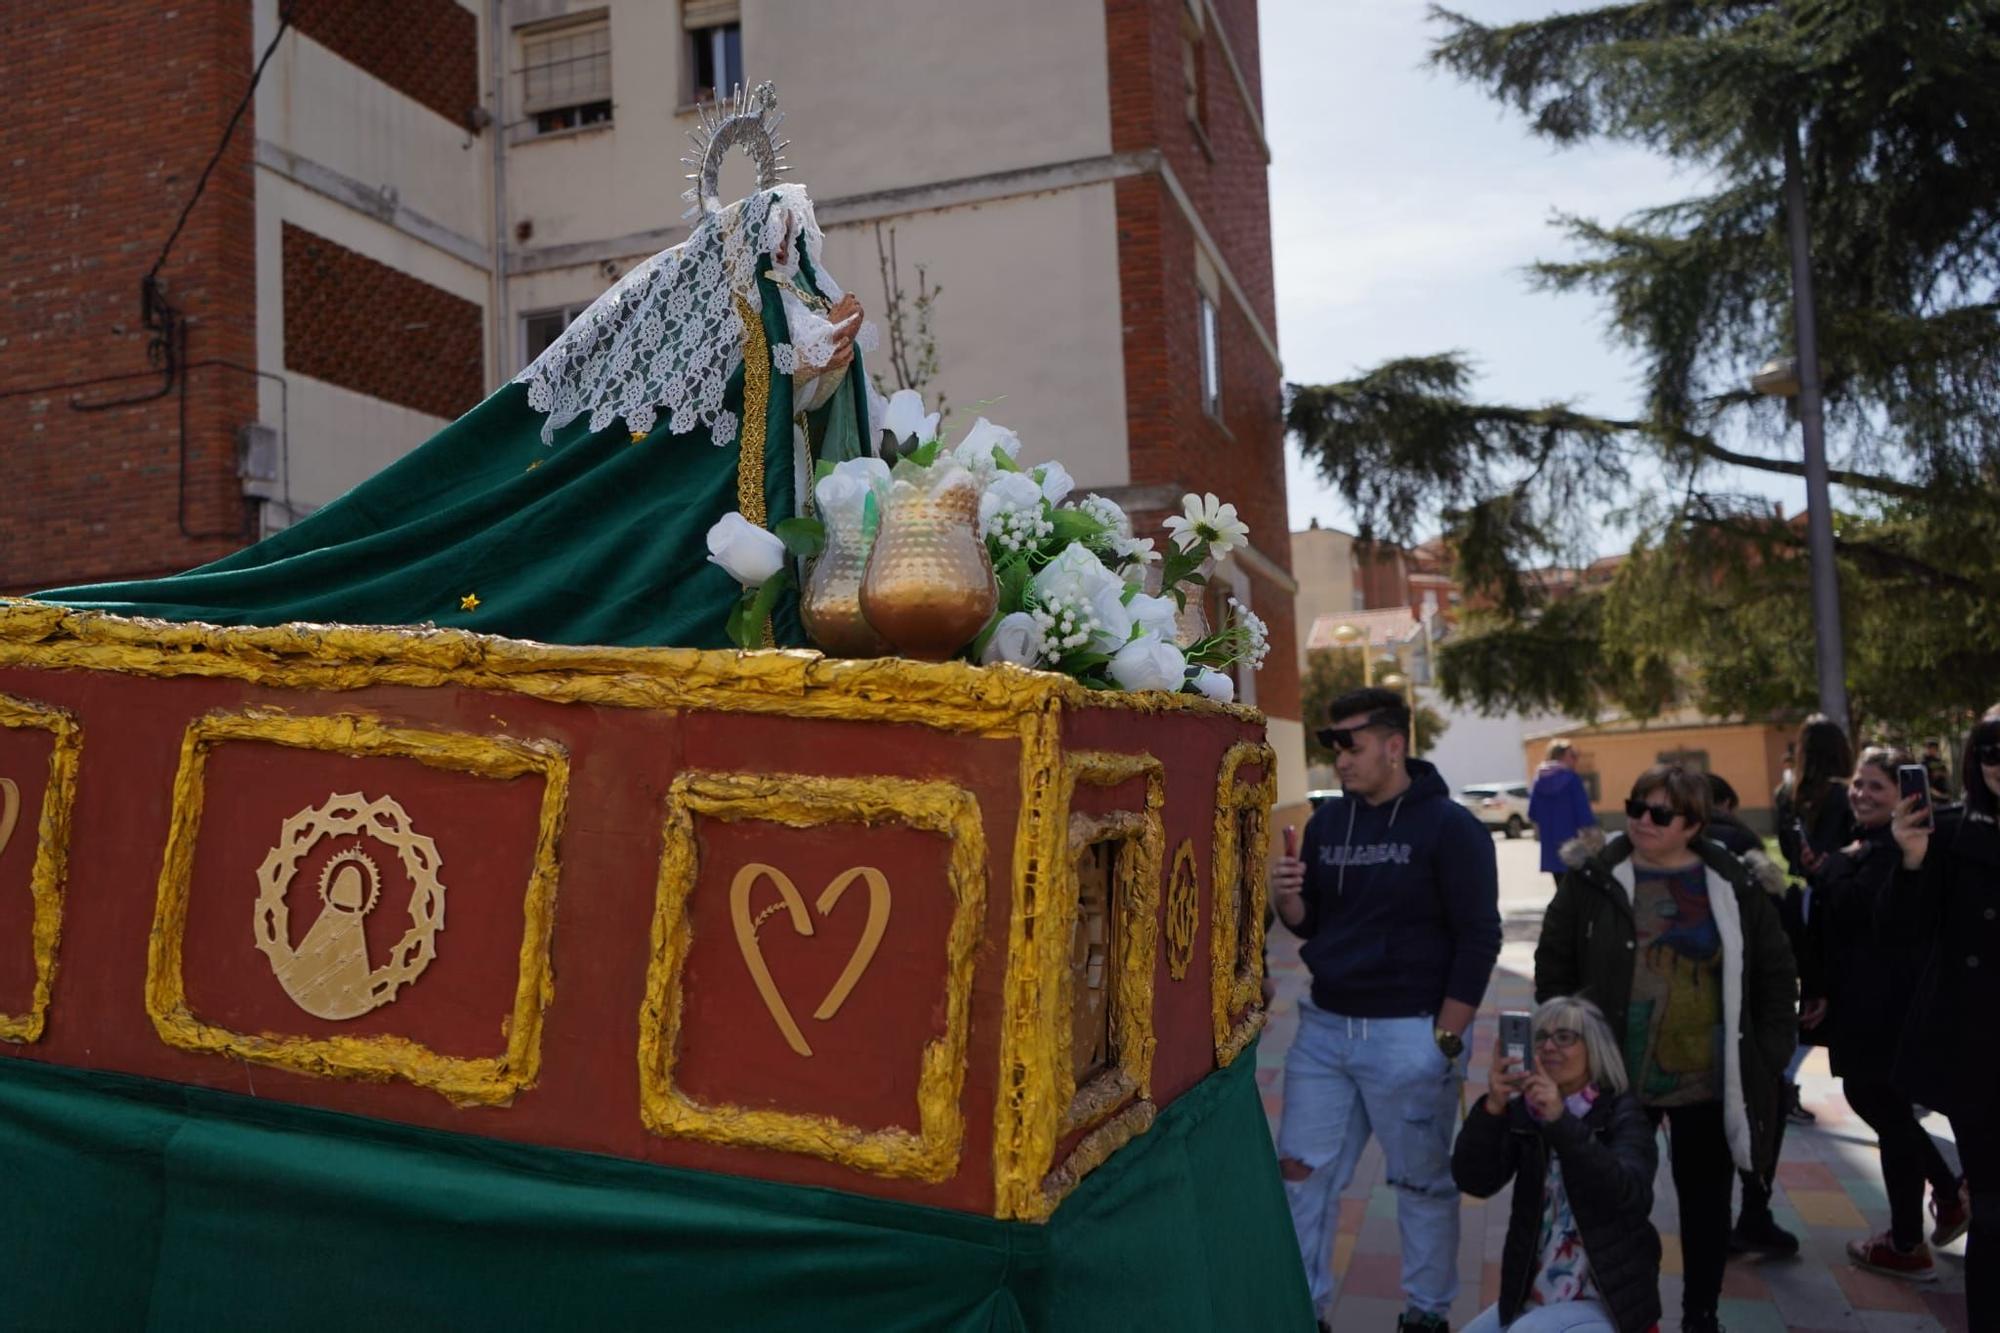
[{"x": 1829, "y": 1188}]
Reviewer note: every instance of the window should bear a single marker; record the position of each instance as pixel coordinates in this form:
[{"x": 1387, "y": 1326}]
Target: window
[
  {"x": 539, "y": 328},
  {"x": 1211, "y": 359},
  {"x": 566, "y": 75},
  {"x": 1194, "y": 71},
  {"x": 715, "y": 48},
  {"x": 1694, "y": 761}
]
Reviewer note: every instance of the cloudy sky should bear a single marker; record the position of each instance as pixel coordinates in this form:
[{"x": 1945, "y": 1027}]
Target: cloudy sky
[{"x": 1405, "y": 206}]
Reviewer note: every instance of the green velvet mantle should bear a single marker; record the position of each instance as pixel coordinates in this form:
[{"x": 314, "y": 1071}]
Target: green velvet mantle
[{"x": 595, "y": 539}]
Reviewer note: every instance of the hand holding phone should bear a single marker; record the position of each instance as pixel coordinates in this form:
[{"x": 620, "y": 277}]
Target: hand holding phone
[
  {"x": 1914, "y": 780},
  {"x": 1517, "y": 1039}
]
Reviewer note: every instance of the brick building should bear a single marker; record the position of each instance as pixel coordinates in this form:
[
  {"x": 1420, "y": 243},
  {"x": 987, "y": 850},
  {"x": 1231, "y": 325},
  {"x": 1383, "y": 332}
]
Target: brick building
[{"x": 422, "y": 192}]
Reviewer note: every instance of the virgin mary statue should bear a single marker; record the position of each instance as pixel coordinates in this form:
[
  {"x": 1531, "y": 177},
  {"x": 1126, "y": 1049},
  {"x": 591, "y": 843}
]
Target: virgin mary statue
[{"x": 571, "y": 506}]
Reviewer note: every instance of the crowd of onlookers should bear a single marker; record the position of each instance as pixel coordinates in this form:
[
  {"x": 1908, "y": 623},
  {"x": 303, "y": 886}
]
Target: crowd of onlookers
[{"x": 1680, "y": 975}]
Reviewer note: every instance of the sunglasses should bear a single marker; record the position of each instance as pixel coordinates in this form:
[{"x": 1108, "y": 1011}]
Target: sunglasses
[
  {"x": 1986, "y": 742},
  {"x": 1661, "y": 815},
  {"x": 1988, "y": 754},
  {"x": 1562, "y": 1039},
  {"x": 1342, "y": 739}
]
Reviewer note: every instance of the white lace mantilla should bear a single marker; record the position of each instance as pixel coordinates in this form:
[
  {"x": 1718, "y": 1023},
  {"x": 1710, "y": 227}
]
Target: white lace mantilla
[{"x": 667, "y": 337}]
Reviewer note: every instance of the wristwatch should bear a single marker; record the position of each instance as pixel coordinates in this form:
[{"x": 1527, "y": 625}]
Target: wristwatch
[{"x": 1449, "y": 1042}]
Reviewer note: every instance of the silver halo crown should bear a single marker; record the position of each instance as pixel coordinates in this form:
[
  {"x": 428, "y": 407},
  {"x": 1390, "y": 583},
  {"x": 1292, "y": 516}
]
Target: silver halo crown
[{"x": 743, "y": 120}]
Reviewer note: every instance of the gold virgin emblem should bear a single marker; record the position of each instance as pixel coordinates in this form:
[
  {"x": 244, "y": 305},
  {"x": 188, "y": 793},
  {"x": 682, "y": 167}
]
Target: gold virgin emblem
[
  {"x": 330, "y": 974},
  {"x": 791, "y": 902}
]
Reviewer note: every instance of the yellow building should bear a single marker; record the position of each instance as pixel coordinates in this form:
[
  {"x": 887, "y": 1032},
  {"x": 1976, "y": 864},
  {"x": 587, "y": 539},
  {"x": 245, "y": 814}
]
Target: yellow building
[{"x": 1750, "y": 755}]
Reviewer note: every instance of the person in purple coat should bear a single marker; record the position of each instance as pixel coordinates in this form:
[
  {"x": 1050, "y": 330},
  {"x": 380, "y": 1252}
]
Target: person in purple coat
[{"x": 1559, "y": 807}]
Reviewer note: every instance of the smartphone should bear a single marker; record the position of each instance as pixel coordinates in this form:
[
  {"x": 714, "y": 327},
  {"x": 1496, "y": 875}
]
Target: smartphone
[
  {"x": 1915, "y": 780},
  {"x": 1291, "y": 842},
  {"x": 1517, "y": 1037}
]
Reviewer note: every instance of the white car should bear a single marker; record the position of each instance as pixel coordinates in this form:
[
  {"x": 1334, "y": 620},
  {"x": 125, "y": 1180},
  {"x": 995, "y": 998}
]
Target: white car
[{"x": 1499, "y": 805}]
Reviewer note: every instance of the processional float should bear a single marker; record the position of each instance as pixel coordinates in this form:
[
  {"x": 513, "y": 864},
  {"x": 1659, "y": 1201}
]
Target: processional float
[{"x": 393, "y": 930}]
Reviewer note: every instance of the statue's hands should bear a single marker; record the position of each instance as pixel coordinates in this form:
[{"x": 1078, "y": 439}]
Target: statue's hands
[{"x": 846, "y": 320}]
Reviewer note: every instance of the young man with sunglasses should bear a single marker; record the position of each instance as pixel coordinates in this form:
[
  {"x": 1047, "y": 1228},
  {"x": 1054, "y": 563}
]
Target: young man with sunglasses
[{"x": 1396, "y": 895}]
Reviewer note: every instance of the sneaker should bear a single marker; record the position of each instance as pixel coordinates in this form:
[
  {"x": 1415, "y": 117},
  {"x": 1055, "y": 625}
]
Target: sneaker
[
  {"x": 1416, "y": 1321},
  {"x": 1953, "y": 1215},
  {"x": 1878, "y": 1254},
  {"x": 1708, "y": 1322},
  {"x": 1763, "y": 1237},
  {"x": 1795, "y": 1110}
]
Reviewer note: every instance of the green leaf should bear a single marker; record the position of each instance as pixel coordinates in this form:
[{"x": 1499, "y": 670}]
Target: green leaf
[
  {"x": 1012, "y": 577},
  {"x": 1002, "y": 462},
  {"x": 733, "y": 626},
  {"x": 927, "y": 453},
  {"x": 1078, "y": 663},
  {"x": 803, "y": 537},
  {"x": 823, "y": 469},
  {"x": 977, "y": 648},
  {"x": 764, "y": 602},
  {"x": 1073, "y": 525}
]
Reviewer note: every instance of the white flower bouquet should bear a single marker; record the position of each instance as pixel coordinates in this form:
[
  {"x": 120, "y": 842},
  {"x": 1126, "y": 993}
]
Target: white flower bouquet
[{"x": 1072, "y": 576}]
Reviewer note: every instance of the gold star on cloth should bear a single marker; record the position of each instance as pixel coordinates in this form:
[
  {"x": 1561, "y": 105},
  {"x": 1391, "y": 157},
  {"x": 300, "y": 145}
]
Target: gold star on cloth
[
  {"x": 469, "y": 602},
  {"x": 532, "y": 466},
  {"x": 638, "y": 437}
]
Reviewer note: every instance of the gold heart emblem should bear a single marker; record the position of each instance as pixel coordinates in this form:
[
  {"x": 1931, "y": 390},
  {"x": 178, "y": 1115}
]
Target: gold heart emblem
[
  {"x": 788, "y": 897},
  {"x": 10, "y": 810}
]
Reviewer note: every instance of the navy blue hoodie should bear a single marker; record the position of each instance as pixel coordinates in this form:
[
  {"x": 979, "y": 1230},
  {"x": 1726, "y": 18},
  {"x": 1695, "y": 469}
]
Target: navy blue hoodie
[{"x": 1402, "y": 902}]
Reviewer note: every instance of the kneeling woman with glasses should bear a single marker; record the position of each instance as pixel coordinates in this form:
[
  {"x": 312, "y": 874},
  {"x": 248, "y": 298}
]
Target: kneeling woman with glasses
[
  {"x": 1679, "y": 943},
  {"x": 1581, "y": 1255}
]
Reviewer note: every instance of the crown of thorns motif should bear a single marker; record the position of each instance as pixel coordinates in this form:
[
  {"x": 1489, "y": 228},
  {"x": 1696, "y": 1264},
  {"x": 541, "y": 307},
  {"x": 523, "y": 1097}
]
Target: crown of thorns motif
[{"x": 742, "y": 120}]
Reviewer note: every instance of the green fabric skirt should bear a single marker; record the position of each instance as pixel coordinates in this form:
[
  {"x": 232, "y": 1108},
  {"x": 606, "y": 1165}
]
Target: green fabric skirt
[{"x": 135, "y": 1204}]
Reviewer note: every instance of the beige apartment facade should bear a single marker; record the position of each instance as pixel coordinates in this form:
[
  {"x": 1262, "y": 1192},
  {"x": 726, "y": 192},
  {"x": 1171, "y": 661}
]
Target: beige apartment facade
[{"x": 423, "y": 191}]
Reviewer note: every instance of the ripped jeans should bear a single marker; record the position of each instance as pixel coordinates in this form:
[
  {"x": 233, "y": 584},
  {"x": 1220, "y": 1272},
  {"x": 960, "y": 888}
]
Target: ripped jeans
[{"x": 1346, "y": 1078}]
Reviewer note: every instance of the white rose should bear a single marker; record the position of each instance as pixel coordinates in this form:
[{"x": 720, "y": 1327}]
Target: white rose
[
  {"x": 975, "y": 451},
  {"x": 1017, "y": 638},
  {"x": 842, "y": 492},
  {"x": 1155, "y": 615},
  {"x": 1149, "y": 663},
  {"x": 1215, "y": 685},
  {"x": 904, "y": 417},
  {"x": 1007, "y": 492},
  {"x": 1056, "y": 482},
  {"x": 1114, "y": 618},
  {"x": 750, "y": 554},
  {"x": 1108, "y": 513},
  {"x": 1077, "y": 574}
]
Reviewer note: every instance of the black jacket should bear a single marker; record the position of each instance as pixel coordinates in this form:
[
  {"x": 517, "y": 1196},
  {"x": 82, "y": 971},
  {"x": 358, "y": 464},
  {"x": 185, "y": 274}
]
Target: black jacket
[
  {"x": 1946, "y": 1057},
  {"x": 1873, "y": 956},
  {"x": 1831, "y": 828},
  {"x": 1733, "y": 834},
  {"x": 1588, "y": 947},
  {"x": 1608, "y": 1162}
]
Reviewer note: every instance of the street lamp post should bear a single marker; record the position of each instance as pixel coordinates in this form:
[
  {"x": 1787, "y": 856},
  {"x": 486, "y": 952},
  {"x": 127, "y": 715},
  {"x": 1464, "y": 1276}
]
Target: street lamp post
[
  {"x": 1396, "y": 680},
  {"x": 1812, "y": 421},
  {"x": 1350, "y": 636}
]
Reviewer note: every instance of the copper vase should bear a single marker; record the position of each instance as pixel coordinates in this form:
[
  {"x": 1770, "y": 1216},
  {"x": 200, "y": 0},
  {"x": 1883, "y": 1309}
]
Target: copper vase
[
  {"x": 929, "y": 587},
  {"x": 830, "y": 606}
]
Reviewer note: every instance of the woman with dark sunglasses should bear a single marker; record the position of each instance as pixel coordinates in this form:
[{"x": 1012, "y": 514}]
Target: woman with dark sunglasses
[
  {"x": 1679, "y": 944},
  {"x": 1950, "y": 884},
  {"x": 1873, "y": 956},
  {"x": 1581, "y": 1254}
]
